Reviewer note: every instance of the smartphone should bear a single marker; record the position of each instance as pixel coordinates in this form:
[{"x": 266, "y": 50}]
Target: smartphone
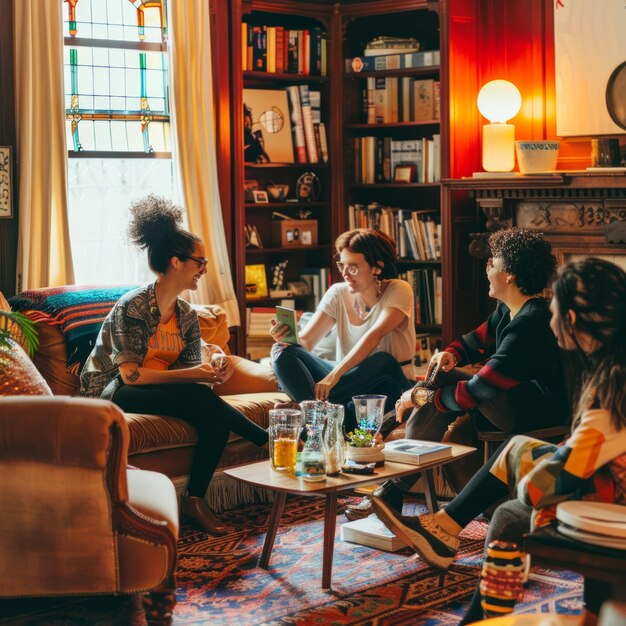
[{"x": 350, "y": 467}]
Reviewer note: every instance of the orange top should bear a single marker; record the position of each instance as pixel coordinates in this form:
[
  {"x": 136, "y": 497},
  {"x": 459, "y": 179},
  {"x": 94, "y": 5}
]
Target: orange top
[{"x": 165, "y": 346}]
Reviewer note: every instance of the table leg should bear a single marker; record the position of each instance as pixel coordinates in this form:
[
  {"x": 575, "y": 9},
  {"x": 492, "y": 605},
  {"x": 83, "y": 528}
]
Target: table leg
[
  {"x": 330, "y": 521},
  {"x": 429, "y": 490},
  {"x": 272, "y": 527}
]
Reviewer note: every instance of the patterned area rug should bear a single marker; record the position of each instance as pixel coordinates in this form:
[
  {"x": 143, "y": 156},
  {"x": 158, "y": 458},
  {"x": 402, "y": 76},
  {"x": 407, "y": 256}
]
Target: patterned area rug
[{"x": 219, "y": 582}]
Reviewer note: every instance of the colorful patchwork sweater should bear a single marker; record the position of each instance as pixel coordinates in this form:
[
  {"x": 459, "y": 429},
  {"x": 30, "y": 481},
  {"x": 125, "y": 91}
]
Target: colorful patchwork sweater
[
  {"x": 512, "y": 351},
  {"x": 589, "y": 465}
]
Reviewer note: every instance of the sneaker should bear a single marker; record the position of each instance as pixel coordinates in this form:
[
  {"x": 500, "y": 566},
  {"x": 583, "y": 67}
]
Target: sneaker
[{"x": 421, "y": 532}]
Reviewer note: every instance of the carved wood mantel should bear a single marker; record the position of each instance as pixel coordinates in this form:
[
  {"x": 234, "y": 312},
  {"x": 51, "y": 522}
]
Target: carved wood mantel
[{"x": 578, "y": 212}]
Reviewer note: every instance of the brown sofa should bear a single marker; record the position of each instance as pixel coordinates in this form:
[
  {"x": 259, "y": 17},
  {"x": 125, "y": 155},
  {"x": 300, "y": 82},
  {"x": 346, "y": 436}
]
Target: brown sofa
[{"x": 166, "y": 444}]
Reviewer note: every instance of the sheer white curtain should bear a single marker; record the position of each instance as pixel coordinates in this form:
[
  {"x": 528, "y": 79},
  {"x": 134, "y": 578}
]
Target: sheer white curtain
[
  {"x": 44, "y": 257},
  {"x": 194, "y": 146}
]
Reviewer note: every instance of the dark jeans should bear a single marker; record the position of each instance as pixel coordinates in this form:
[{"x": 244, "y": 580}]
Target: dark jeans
[
  {"x": 298, "y": 370},
  {"x": 212, "y": 418}
]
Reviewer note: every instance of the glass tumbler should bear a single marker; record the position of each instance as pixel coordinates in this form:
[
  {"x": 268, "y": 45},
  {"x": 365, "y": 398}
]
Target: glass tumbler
[
  {"x": 369, "y": 410},
  {"x": 285, "y": 427}
]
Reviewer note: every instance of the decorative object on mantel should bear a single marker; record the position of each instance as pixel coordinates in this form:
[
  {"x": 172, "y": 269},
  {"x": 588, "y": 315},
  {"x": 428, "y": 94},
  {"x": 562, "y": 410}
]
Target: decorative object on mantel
[
  {"x": 499, "y": 101},
  {"x": 6, "y": 205},
  {"x": 536, "y": 157},
  {"x": 308, "y": 187},
  {"x": 605, "y": 152}
]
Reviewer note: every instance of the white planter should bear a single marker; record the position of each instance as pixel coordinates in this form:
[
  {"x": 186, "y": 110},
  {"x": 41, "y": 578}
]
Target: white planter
[{"x": 372, "y": 454}]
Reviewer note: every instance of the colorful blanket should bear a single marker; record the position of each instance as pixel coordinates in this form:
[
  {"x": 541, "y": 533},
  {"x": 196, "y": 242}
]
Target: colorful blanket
[{"x": 78, "y": 310}]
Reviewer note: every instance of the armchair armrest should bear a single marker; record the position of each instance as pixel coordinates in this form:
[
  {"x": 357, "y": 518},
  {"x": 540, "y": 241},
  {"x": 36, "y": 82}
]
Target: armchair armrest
[{"x": 248, "y": 377}]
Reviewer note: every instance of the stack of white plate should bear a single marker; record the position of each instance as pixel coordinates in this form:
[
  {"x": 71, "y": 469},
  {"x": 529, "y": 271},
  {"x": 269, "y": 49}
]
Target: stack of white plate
[{"x": 597, "y": 523}]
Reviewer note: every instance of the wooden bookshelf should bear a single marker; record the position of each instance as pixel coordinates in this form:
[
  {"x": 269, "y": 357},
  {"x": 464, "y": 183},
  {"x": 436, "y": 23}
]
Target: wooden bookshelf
[{"x": 293, "y": 19}]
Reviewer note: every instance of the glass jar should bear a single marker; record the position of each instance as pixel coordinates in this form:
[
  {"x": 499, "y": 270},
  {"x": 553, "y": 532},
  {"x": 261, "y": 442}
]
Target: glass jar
[
  {"x": 333, "y": 438},
  {"x": 313, "y": 458}
]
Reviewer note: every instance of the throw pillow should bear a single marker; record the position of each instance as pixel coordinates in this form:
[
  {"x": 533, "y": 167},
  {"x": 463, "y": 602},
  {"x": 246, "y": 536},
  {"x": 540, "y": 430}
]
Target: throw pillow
[{"x": 18, "y": 375}]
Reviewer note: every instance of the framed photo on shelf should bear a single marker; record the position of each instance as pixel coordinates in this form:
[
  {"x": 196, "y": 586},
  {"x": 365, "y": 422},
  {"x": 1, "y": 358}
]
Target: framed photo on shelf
[
  {"x": 405, "y": 174},
  {"x": 249, "y": 187},
  {"x": 256, "y": 281},
  {"x": 267, "y": 126},
  {"x": 260, "y": 197}
]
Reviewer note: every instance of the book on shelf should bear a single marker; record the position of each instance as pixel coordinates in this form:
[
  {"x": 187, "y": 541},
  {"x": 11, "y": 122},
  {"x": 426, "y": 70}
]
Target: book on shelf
[
  {"x": 299, "y": 141},
  {"x": 307, "y": 123},
  {"x": 415, "y": 451},
  {"x": 371, "y": 532},
  {"x": 259, "y": 321},
  {"x": 407, "y": 60},
  {"x": 424, "y": 100},
  {"x": 277, "y": 50},
  {"x": 256, "y": 281}
]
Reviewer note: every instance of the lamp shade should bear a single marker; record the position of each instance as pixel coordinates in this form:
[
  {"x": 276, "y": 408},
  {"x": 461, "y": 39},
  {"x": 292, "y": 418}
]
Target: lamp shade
[{"x": 499, "y": 101}]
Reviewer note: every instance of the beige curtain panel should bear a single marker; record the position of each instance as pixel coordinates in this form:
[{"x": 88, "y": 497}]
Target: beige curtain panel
[
  {"x": 44, "y": 257},
  {"x": 194, "y": 146}
]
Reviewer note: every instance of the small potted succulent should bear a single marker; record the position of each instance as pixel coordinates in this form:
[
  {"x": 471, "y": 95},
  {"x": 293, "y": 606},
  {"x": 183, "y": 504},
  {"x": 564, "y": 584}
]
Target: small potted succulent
[{"x": 362, "y": 447}]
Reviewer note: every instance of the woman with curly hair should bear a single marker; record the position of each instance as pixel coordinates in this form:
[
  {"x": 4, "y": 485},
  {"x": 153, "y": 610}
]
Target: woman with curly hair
[
  {"x": 588, "y": 319},
  {"x": 373, "y": 312},
  {"x": 147, "y": 358},
  {"x": 519, "y": 385}
]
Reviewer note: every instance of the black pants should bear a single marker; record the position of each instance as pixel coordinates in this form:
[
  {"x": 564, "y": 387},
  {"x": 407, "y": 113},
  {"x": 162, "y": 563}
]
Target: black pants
[{"x": 198, "y": 405}]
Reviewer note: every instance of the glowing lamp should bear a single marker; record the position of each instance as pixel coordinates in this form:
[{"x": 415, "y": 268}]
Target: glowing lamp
[{"x": 499, "y": 101}]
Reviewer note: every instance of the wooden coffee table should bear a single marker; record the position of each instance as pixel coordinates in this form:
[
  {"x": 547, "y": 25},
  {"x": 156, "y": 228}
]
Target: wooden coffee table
[{"x": 261, "y": 475}]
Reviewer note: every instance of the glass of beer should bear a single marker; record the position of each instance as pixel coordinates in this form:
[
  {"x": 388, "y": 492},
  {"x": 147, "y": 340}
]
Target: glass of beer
[{"x": 285, "y": 428}]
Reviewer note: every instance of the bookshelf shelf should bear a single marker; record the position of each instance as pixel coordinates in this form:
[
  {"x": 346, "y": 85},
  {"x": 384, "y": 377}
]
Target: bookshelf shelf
[
  {"x": 270, "y": 166},
  {"x": 269, "y": 302},
  {"x": 250, "y": 77},
  {"x": 286, "y": 205},
  {"x": 285, "y": 251},
  {"x": 428, "y": 328},
  {"x": 406, "y": 263},
  {"x": 427, "y": 70},
  {"x": 394, "y": 186},
  {"x": 391, "y": 125}
]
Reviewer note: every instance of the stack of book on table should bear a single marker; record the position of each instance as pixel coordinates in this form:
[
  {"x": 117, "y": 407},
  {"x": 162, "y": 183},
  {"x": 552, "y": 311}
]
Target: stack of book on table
[
  {"x": 415, "y": 451},
  {"x": 370, "y": 531}
]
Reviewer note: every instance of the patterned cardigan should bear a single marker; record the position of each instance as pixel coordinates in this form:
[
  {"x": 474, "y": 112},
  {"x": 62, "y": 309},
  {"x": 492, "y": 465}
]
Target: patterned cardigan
[
  {"x": 124, "y": 337},
  {"x": 589, "y": 465}
]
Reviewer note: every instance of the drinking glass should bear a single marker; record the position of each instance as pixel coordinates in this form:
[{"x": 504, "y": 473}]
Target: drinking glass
[
  {"x": 314, "y": 451},
  {"x": 333, "y": 438},
  {"x": 285, "y": 427},
  {"x": 369, "y": 409}
]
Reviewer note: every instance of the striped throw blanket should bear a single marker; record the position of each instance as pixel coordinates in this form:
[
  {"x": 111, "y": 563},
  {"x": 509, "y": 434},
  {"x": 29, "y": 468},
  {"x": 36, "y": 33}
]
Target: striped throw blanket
[{"x": 78, "y": 310}]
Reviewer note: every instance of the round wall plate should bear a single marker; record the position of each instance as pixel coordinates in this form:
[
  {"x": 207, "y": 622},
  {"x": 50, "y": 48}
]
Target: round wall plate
[{"x": 616, "y": 95}]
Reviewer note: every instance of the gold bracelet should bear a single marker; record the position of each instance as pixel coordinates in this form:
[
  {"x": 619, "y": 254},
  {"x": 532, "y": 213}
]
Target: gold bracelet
[
  {"x": 413, "y": 397},
  {"x": 456, "y": 361}
]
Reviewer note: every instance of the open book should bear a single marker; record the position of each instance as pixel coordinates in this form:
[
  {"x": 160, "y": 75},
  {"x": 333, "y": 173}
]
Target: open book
[
  {"x": 288, "y": 317},
  {"x": 415, "y": 451},
  {"x": 370, "y": 531}
]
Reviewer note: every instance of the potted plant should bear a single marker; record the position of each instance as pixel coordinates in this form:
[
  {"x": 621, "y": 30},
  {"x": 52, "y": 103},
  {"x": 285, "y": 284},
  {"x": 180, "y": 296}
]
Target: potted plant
[
  {"x": 15, "y": 329},
  {"x": 362, "y": 447}
]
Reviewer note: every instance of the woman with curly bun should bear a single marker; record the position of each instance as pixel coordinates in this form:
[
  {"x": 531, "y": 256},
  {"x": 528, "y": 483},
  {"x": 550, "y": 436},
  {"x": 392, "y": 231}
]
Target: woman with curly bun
[
  {"x": 147, "y": 358},
  {"x": 520, "y": 384}
]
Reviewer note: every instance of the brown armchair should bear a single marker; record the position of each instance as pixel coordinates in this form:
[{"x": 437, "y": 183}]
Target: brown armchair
[{"x": 74, "y": 520}]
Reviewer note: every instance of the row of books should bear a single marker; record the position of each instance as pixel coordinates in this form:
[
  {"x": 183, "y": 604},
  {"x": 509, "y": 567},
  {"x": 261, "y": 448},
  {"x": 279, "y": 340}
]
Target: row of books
[
  {"x": 401, "y": 99},
  {"x": 309, "y": 132},
  {"x": 416, "y": 234},
  {"x": 424, "y": 58},
  {"x": 259, "y": 320},
  {"x": 386, "y": 160},
  {"x": 427, "y": 287},
  {"x": 279, "y": 50}
]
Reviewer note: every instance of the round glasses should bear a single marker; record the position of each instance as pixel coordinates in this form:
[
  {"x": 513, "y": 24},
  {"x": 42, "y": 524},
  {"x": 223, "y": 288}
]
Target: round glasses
[
  {"x": 201, "y": 262},
  {"x": 352, "y": 269}
]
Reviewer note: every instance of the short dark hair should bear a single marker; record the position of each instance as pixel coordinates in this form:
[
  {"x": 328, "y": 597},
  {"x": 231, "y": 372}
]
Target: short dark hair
[
  {"x": 526, "y": 255},
  {"x": 155, "y": 226},
  {"x": 378, "y": 249}
]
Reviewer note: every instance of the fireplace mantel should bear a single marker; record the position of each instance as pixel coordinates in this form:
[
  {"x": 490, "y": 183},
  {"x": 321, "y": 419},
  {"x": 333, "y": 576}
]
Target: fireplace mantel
[{"x": 578, "y": 212}]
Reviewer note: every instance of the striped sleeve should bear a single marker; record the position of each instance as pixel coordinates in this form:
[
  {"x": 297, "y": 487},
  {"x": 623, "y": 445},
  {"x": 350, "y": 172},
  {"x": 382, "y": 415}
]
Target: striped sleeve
[
  {"x": 508, "y": 366},
  {"x": 567, "y": 473},
  {"x": 478, "y": 344}
]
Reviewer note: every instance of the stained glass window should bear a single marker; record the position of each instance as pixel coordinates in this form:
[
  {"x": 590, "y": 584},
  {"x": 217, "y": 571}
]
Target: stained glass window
[
  {"x": 116, "y": 75},
  {"x": 118, "y": 131}
]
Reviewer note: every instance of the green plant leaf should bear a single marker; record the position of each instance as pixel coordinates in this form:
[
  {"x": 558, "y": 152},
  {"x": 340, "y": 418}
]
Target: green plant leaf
[{"x": 19, "y": 327}]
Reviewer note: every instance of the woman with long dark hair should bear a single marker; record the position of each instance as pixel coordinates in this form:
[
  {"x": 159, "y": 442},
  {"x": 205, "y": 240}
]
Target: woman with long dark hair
[
  {"x": 148, "y": 359},
  {"x": 589, "y": 317}
]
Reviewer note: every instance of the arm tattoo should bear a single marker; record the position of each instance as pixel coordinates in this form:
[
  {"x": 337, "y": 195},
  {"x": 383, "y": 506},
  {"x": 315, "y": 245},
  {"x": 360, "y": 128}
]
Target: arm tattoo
[{"x": 133, "y": 376}]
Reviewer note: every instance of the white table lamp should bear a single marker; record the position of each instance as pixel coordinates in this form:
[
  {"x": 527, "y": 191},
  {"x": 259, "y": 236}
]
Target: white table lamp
[{"x": 499, "y": 101}]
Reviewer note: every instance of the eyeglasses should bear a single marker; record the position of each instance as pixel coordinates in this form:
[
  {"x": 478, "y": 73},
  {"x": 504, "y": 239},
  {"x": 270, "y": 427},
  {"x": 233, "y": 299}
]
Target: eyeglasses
[
  {"x": 202, "y": 262},
  {"x": 352, "y": 269}
]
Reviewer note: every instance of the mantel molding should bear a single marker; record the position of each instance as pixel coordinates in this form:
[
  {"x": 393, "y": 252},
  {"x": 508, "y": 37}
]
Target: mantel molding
[{"x": 574, "y": 209}]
